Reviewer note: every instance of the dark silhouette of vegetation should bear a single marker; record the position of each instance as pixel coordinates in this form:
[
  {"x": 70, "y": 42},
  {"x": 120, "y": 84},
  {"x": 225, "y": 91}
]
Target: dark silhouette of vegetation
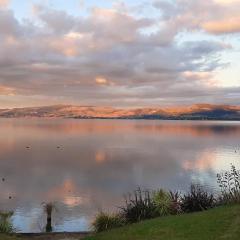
[
  {"x": 175, "y": 207},
  {"x": 197, "y": 199},
  {"x": 229, "y": 183},
  {"x": 139, "y": 206}
]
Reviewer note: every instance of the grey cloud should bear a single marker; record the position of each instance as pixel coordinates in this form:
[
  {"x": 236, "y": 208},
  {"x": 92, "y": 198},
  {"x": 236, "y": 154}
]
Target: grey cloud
[
  {"x": 8, "y": 24},
  {"x": 58, "y": 21},
  {"x": 211, "y": 16},
  {"x": 62, "y": 57}
]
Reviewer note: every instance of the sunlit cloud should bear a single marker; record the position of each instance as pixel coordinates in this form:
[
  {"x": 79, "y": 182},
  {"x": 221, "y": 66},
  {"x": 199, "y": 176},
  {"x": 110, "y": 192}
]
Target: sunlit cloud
[
  {"x": 164, "y": 53},
  {"x": 228, "y": 2},
  {"x": 228, "y": 25},
  {"x": 101, "y": 80},
  {"x": 4, "y": 3}
]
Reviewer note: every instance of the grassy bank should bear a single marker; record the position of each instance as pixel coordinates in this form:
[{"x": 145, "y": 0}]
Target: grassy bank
[{"x": 218, "y": 223}]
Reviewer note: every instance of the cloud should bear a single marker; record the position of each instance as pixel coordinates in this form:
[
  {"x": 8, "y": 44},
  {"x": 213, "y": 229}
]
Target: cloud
[
  {"x": 113, "y": 57},
  {"x": 101, "y": 80},
  {"x": 4, "y": 3},
  {"x": 227, "y": 2},
  {"x": 229, "y": 25},
  {"x": 213, "y": 16}
]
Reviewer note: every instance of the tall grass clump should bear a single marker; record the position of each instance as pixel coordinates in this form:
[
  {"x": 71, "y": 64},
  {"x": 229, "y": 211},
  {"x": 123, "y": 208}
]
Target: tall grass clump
[
  {"x": 6, "y": 225},
  {"x": 139, "y": 206},
  {"x": 167, "y": 202},
  {"x": 105, "y": 222},
  {"x": 176, "y": 203},
  {"x": 229, "y": 183},
  {"x": 197, "y": 199},
  {"x": 162, "y": 201}
]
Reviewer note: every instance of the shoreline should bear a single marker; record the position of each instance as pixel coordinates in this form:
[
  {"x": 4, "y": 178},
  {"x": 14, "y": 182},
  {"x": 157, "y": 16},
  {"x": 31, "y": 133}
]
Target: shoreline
[{"x": 53, "y": 235}]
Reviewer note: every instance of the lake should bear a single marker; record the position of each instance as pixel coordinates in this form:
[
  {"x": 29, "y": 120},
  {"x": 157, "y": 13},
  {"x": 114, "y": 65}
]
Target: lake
[{"x": 85, "y": 166}]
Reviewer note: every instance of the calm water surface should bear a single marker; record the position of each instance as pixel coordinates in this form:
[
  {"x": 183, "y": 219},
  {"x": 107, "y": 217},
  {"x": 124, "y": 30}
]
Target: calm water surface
[{"x": 84, "y": 166}]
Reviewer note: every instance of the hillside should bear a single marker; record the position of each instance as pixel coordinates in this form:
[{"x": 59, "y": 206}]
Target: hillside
[
  {"x": 219, "y": 223},
  {"x": 195, "y": 112}
]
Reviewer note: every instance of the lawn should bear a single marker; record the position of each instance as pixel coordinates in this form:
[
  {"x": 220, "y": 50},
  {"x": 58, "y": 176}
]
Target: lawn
[{"x": 219, "y": 223}]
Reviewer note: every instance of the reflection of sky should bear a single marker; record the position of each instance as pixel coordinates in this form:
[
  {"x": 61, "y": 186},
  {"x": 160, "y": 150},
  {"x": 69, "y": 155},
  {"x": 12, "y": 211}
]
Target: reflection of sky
[
  {"x": 99, "y": 161},
  {"x": 28, "y": 220}
]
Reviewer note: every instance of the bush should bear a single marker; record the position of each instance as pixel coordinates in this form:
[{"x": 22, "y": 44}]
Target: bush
[
  {"x": 139, "y": 206},
  {"x": 229, "y": 183},
  {"x": 197, "y": 200},
  {"x": 5, "y": 222},
  {"x": 104, "y": 222},
  {"x": 176, "y": 203},
  {"x": 163, "y": 202}
]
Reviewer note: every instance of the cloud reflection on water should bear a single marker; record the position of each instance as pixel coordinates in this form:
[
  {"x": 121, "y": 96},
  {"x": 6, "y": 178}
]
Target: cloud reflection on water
[{"x": 98, "y": 161}]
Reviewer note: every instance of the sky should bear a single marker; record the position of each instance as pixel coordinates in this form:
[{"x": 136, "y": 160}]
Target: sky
[{"x": 120, "y": 53}]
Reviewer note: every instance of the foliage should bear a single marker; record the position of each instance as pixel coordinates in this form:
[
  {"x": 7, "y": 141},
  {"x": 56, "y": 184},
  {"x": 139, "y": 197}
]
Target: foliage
[
  {"x": 104, "y": 222},
  {"x": 229, "y": 183},
  {"x": 197, "y": 199},
  {"x": 163, "y": 202},
  {"x": 5, "y": 222},
  {"x": 145, "y": 204},
  {"x": 139, "y": 206},
  {"x": 176, "y": 202}
]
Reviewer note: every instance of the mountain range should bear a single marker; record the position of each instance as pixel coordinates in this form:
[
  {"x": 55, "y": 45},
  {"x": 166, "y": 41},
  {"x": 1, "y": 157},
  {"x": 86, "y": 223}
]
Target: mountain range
[{"x": 194, "y": 112}]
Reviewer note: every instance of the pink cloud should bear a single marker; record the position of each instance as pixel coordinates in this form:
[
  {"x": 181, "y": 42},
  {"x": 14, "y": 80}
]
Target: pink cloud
[
  {"x": 226, "y": 25},
  {"x": 4, "y": 3}
]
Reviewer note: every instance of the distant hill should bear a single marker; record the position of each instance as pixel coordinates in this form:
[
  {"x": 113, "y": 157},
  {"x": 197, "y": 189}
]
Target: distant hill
[{"x": 195, "y": 112}]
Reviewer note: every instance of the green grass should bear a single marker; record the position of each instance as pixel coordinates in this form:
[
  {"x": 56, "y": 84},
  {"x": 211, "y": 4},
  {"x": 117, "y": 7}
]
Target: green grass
[{"x": 218, "y": 224}]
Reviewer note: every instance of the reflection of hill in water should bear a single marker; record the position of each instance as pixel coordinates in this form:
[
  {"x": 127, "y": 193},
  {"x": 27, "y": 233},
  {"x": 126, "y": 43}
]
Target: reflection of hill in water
[{"x": 84, "y": 127}]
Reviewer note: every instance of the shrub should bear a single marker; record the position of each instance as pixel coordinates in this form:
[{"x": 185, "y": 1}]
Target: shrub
[
  {"x": 229, "y": 183},
  {"x": 176, "y": 202},
  {"x": 139, "y": 206},
  {"x": 5, "y": 222},
  {"x": 197, "y": 199},
  {"x": 163, "y": 202},
  {"x": 104, "y": 222}
]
